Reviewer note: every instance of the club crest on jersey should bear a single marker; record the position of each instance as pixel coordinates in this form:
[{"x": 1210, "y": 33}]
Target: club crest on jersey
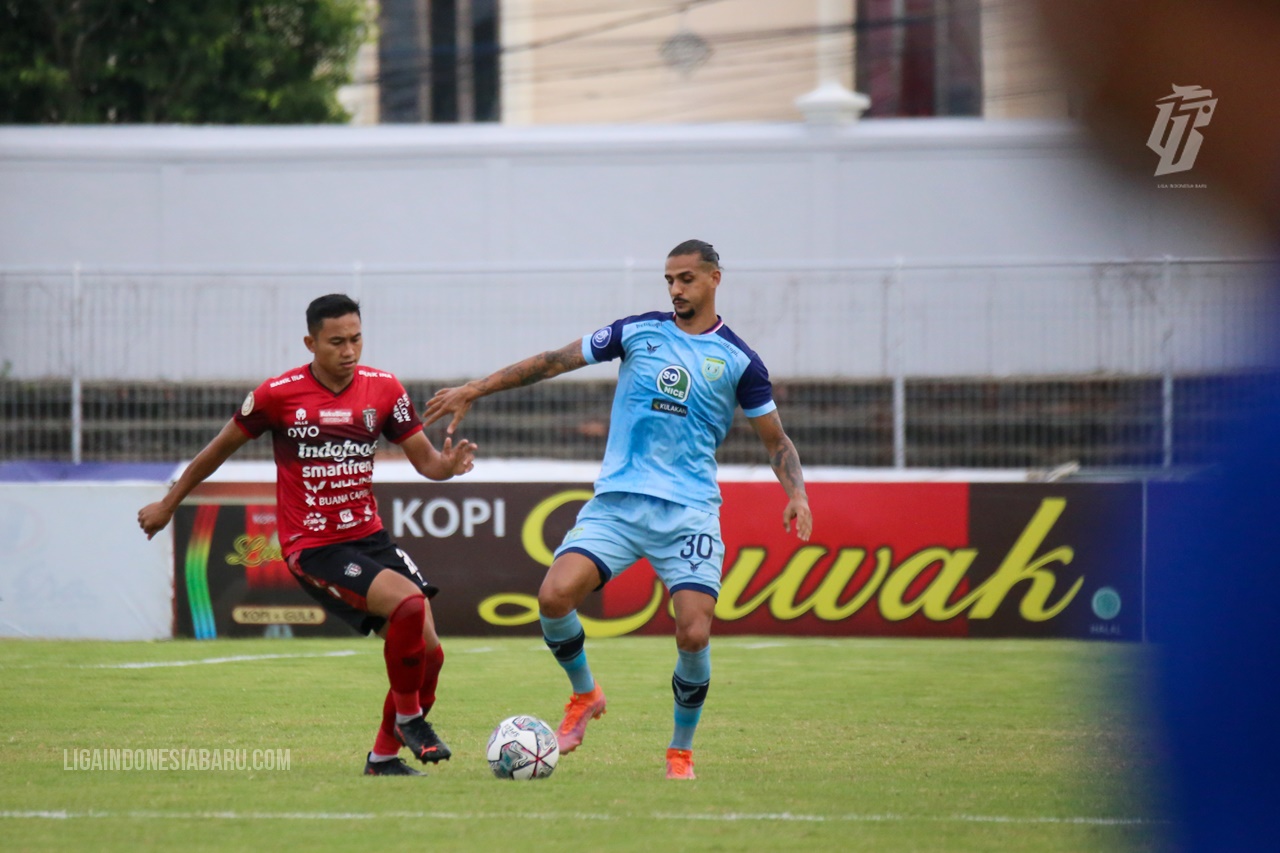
[
  {"x": 674, "y": 382},
  {"x": 601, "y": 337},
  {"x": 712, "y": 369},
  {"x": 246, "y": 408},
  {"x": 370, "y": 419}
]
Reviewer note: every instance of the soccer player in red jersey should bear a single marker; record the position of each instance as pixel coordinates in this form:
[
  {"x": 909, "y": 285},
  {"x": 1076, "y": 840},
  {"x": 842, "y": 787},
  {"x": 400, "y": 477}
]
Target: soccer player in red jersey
[{"x": 325, "y": 418}]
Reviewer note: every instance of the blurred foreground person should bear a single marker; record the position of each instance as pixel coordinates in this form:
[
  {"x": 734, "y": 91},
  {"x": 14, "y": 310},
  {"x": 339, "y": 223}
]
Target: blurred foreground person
[{"x": 1216, "y": 687}]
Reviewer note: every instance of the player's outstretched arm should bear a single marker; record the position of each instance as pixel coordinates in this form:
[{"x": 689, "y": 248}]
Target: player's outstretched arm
[
  {"x": 786, "y": 467},
  {"x": 153, "y": 518},
  {"x": 457, "y": 401},
  {"x": 449, "y": 461}
]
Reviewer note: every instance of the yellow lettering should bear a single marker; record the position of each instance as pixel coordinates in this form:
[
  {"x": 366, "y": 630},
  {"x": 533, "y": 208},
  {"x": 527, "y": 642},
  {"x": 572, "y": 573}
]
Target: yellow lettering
[
  {"x": 781, "y": 595},
  {"x": 526, "y": 609},
  {"x": 933, "y": 600},
  {"x": 826, "y": 599},
  {"x": 955, "y": 564},
  {"x": 526, "y": 612},
  {"x": 252, "y": 551},
  {"x": 1018, "y": 566},
  {"x": 535, "y": 544},
  {"x": 781, "y": 592},
  {"x": 735, "y": 583},
  {"x": 595, "y": 628}
]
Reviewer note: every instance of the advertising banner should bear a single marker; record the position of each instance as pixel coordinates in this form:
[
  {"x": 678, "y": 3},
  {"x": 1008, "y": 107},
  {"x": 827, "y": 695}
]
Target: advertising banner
[{"x": 886, "y": 559}]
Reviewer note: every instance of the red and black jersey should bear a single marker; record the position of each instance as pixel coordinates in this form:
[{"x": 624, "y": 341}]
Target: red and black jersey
[{"x": 324, "y": 445}]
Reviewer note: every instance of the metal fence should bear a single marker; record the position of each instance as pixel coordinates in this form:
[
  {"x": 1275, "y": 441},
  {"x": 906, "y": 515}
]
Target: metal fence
[{"x": 1106, "y": 364}]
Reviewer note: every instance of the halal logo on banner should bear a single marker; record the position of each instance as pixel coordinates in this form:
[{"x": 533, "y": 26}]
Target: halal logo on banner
[
  {"x": 1174, "y": 136},
  {"x": 673, "y": 381}
]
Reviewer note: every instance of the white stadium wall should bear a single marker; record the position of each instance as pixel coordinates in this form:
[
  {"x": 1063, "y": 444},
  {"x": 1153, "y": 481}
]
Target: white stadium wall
[
  {"x": 74, "y": 565},
  {"x": 941, "y": 247}
]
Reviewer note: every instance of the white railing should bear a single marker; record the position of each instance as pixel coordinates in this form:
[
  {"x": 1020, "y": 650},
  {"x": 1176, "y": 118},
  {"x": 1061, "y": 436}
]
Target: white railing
[{"x": 810, "y": 320}]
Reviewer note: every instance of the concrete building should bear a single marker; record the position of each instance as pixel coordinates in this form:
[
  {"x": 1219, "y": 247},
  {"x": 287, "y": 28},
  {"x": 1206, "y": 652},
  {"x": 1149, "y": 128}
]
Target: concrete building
[{"x": 539, "y": 62}]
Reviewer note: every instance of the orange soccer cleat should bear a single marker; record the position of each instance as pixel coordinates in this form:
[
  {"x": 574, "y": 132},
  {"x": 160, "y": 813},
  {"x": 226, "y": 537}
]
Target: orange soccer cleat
[
  {"x": 582, "y": 708},
  {"x": 680, "y": 764}
]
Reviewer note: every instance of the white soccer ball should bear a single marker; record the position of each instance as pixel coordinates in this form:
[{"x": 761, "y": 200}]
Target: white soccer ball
[{"x": 522, "y": 747}]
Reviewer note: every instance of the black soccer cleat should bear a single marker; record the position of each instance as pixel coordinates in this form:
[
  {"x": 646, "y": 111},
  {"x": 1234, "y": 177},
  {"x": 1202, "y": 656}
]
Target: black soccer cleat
[
  {"x": 422, "y": 740},
  {"x": 394, "y": 767}
]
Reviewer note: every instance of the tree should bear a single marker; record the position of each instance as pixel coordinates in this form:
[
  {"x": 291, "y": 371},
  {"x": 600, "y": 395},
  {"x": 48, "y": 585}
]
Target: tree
[{"x": 170, "y": 61}]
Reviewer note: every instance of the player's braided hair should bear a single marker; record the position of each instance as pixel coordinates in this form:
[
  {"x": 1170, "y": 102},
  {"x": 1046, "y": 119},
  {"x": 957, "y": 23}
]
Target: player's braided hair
[
  {"x": 330, "y": 307},
  {"x": 701, "y": 248}
]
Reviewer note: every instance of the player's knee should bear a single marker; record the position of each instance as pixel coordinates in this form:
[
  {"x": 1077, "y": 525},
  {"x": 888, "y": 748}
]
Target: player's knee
[
  {"x": 553, "y": 599},
  {"x": 412, "y": 610},
  {"x": 693, "y": 638}
]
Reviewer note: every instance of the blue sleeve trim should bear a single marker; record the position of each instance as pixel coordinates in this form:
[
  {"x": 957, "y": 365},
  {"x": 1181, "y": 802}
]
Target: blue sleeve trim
[
  {"x": 761, "y": 410},
  {"x": 586, "y": 350}
]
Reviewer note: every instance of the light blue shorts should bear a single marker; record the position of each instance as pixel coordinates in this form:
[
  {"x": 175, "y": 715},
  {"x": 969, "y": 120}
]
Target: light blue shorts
[{"x": 683, "y": 544}]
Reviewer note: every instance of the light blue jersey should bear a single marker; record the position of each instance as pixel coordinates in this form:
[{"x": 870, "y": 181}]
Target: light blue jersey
[{"x": 673, "y": 406}]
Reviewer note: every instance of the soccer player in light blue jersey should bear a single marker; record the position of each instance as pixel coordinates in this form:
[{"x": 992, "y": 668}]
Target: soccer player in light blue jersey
[{"x": 683, "y": 375}]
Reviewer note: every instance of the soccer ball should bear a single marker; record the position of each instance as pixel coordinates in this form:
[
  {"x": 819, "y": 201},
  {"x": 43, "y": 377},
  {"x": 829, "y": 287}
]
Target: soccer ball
[{"x": 522, "y": 747}]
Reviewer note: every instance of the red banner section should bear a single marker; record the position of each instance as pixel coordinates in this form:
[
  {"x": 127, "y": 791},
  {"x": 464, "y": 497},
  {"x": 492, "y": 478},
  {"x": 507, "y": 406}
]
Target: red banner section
[
  {"x": 886, "y": 559},
  {"x": 876, "y": 549}
]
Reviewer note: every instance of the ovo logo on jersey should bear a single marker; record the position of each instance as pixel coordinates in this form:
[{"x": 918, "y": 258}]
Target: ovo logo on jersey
[{"x": 673, "y": 381}]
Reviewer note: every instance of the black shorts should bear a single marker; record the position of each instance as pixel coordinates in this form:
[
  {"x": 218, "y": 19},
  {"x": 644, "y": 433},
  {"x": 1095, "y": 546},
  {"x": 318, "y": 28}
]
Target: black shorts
[{"x": 338, "y": 576}]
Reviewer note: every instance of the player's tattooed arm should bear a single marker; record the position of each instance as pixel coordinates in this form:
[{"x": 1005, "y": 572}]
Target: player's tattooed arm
[
  {"x": 534, "y": 369},
  {"x": 457, "y": 401},
  {"x": 785, "y": 462}
]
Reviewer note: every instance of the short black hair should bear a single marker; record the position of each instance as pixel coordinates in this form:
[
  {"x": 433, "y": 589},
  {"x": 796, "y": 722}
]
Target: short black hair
[
  {"x": 701, "y": 248},
  {"x": 330, "y": 307}
]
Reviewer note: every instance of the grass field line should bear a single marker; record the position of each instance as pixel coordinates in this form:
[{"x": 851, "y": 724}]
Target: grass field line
[
  {"x": 732, "y": 817},
  {"x": 231, "y": 658},
  {"x": 152, "y": 665}
]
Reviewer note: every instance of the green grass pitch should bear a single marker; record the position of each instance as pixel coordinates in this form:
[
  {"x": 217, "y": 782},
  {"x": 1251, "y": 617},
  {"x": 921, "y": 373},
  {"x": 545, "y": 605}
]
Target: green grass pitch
[{"x": 805, "y": 744}]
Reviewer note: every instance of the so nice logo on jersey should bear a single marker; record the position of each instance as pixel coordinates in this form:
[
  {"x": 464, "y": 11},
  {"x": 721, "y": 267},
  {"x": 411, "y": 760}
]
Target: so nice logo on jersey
[{"x": 674, "y": 382}]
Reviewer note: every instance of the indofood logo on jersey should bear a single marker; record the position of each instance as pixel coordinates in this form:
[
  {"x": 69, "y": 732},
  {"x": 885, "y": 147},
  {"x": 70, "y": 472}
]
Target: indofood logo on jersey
[
  {"x": 335, "y": 451},
  {"x": 673, "y": 381}
]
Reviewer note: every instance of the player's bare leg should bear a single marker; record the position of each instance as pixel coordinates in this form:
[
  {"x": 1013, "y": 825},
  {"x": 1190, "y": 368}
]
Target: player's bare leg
[
  {"x": 569, "y": 580},
  {"x": 694, "y": 612}
]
